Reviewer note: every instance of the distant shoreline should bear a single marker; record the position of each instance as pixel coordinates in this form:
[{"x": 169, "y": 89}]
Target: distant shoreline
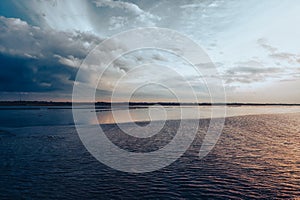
[{"x": 108, "y": 104}]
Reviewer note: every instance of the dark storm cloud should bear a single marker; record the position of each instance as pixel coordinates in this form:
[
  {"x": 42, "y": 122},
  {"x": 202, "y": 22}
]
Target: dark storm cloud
[
  {"x": 20, "y": 74},
  {"x": 36, "y": 60}
]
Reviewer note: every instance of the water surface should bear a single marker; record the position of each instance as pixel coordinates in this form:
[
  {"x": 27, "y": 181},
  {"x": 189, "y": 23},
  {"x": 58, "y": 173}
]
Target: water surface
[
  {"x": 21, "y": 116},
  {"x": 256, "y": 157}
]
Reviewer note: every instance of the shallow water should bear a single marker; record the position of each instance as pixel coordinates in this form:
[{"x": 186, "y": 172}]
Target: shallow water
[{"x": 257, "y": 156}]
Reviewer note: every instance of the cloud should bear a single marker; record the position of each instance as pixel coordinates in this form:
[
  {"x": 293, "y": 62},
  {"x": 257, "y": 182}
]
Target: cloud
[
  {"x": 128, "y": 8},
  {"x": 207, "y": 4},
  {"x": 263, "y": 43},
  {"x": 69, "y": 61},
  {"x": 288, "y": 57},
  {"x": 120, "y": 4},
  {"x": 21, "y": 39},
  {"x": 249, "y": 72},
  {"x": 274, "y": 53},
  {"x": 117, "y": 22},
  {"x": 35, "y": 58},
  {"x": 40, "y": 60},
  {"x": 21, "y": 74}
]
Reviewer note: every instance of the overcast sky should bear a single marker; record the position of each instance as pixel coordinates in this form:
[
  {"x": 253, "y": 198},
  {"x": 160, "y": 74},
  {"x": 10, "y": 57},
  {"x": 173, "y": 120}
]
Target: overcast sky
[{"x": 254, "y": 45}]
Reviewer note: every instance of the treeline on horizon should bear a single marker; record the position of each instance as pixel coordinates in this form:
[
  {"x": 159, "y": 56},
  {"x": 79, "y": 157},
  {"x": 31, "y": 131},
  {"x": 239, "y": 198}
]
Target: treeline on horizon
[{"x": 55, "y": 103}]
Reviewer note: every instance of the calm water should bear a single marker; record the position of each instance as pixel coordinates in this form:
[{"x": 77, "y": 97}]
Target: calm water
[
  {"x": 257, "y": 156},
  {"x": 24, "y": 116}
]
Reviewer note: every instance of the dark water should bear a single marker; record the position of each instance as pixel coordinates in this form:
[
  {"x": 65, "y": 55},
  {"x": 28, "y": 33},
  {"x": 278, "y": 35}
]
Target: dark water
[{"x": 257, "y": 156}]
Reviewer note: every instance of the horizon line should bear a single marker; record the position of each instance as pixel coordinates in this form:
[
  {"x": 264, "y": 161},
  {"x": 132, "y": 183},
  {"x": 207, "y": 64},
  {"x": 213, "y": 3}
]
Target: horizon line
[{"x": 149, "y": 102}]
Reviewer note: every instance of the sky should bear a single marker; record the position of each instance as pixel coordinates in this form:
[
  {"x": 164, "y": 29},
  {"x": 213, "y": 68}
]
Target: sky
[{"x": 253, "y": 44}]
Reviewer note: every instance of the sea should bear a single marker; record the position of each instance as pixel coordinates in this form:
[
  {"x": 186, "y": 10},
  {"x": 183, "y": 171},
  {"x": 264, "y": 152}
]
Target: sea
[{"x": 257, "y": 155}]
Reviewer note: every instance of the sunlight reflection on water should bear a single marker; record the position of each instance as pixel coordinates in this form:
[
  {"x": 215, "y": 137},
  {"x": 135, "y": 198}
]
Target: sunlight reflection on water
[{"x": 174, "y": 112}]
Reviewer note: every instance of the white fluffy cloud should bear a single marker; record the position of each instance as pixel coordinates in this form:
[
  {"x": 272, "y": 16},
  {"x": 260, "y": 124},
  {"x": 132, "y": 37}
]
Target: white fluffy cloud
[
  {"x": 21, "y": 39},
  {"x": 129, "y": 8}
]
